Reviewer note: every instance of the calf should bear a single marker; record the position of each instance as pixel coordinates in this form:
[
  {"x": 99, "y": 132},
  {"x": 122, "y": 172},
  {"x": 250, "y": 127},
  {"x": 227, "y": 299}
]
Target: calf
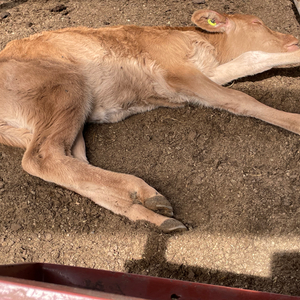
[{"x": 52, "y": 83}]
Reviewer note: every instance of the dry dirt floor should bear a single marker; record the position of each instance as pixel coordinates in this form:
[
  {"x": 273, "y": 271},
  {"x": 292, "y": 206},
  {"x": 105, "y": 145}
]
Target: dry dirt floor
[{"x": 233, "y": 181}]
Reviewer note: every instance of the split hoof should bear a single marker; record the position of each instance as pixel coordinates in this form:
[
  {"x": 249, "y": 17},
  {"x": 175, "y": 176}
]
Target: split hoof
[
  {"x": 172, "y": 225},
  {"x": 160, "y": 205}
]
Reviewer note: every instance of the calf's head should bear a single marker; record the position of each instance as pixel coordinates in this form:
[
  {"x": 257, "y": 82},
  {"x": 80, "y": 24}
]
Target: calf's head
[{"x": 233, "y": 35}]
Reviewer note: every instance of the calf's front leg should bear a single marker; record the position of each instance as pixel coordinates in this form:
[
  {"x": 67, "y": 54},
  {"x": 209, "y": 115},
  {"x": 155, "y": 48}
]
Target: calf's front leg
[
  {"x": 192, "y": 83},
  {"x": 252, "y": 62}
]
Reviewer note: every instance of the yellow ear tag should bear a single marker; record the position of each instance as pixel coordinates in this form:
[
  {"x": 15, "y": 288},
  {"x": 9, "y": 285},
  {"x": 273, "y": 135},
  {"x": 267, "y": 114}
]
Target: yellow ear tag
[{"x": 211, "y": 22}]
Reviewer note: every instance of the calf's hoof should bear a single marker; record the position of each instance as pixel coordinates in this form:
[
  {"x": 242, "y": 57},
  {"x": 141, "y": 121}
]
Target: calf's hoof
[
  {"x": 160, "y": 205},
  {"x": 172, "y": 225}
]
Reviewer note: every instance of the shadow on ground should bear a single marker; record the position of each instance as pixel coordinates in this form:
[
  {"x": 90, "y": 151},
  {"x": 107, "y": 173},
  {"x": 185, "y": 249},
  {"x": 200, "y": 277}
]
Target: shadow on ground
[{"x": 11, "y": 4}]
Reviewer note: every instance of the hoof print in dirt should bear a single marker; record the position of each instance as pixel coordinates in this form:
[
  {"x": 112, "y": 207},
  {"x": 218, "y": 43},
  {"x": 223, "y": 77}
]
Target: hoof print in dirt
[
  {"x": 59, "y": 8},
  {"x": 4, "y": 15},
  {"x": 199, "y": 1}
]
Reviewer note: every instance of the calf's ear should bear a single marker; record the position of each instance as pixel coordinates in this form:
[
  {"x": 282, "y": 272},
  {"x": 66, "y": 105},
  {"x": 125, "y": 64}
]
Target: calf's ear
[{"x": 210, "y": 20}]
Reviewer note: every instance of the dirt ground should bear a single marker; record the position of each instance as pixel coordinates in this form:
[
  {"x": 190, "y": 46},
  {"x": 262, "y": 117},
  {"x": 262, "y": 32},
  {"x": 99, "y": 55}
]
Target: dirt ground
[{"x": 233, "y": 181}]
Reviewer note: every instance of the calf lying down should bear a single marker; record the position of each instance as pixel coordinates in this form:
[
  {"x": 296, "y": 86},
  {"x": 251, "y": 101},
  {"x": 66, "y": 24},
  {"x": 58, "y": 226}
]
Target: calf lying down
[{"x": 52, "y": 83}]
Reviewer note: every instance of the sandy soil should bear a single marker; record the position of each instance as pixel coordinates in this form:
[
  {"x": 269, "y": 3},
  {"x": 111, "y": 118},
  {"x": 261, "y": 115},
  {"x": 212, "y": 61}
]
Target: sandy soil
[{"x": 233, "y": 181}]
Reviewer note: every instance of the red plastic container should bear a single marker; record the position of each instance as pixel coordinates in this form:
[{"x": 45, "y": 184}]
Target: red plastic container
[{"x": 48, "y": 281}]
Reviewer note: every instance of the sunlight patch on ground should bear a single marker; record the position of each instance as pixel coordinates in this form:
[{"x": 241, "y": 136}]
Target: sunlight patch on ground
[
  {"x": 106, "y": 250},
  {"x": 250, "y": 255}
]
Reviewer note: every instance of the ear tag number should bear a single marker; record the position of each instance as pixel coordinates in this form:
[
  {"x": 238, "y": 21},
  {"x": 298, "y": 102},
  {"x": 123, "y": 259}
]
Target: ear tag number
[{"x": 211, "y": 22}]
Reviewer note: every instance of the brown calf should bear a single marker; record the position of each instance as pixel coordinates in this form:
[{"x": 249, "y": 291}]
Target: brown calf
[{"x": 54, "y": 82}]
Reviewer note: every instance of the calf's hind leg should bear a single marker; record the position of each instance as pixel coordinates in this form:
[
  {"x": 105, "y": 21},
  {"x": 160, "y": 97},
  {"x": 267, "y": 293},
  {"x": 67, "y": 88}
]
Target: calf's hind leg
[
  {"x": 121, "y": 193},
  {"x": 49, "y": 156}
]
